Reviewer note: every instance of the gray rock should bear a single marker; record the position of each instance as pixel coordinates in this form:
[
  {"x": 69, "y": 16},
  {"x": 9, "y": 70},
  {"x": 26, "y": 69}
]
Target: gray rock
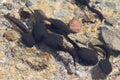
[
  {"x": 9, "y": 6},
  {"x": 61, "y": 14},
  {"x": 104, "y": 26},
  {"x": 111, "y": 20},
  {"x": 30, "y": 2},
  {"x": 98, "y": 1},
  {"x": 21, "y": 67},
  {"x": 112, "y": 38},
  {"x": 111, "y": 5},
  {"x": 102, "y": 7},
  {"x": 81, "y": 74}
]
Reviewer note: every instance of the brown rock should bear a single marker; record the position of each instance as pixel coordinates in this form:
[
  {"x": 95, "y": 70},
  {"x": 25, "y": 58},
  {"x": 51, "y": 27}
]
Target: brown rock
[
  {"x": 1, "y": 55},
  {"x": 71, "y": 7},
  {"x": 11, "y": 35},
  {"x": 75, "y": 25}
]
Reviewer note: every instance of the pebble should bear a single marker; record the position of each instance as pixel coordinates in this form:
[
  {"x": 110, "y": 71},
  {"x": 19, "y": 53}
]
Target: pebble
[
  {"x": 102, "y": 7},
  {"x": 114, "y": 71},
  {"x": 115, "y": 59},
  {"x": 75, "y": 25},
  {"x": 111, "y": 5},
  {"x": 111, "y": 20},
  {"x": 98, "y": 1},
  {"x": 71, "y": 7},
  {"x": 81, "y": 74},
  {"x": 9, "y": 6},
  {"x": 28, "y": 3},
  {"x": 21, "y": 67},
  {"x": 79, "y": 13},
  {"x": 61, "y": 14},
  {"x": 11, "y": 35},
  {"x": 104, "y": 27},
  {"x": 1, "y": 55}
]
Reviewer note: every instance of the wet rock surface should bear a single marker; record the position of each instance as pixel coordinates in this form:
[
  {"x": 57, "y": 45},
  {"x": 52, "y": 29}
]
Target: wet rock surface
[{"x": 18, "y": 62}]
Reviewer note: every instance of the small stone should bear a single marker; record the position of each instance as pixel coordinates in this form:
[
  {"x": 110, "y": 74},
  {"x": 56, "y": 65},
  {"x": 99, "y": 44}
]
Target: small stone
[
  {"x": 98, "y": 1},
  {"x": 71, "y": 7},
  {"x": 52, "y": 69},
  {"x": 111, "y": 5},
  {"x": 78, "y": 12},
  {"x": 60, "y": 14},
  {"x": 111, "y": 20},
  {"x": 75, "y": 25},
  {"x": 21, "y": 67},
  {"x": 114, "y": 71},
  {"x": 116, "y": 59},
  {"x": 104, "y": 27},
  {"x": 102, "y": 7},
  {"x": 53, "y": 0},
  {"x": 9, "y": 6},
  {"x": 81, "y": 74},
  {"x": 28, "y": 3},
  {"x": 1, "y": 55},
  {"x": 11, "y": 35}
]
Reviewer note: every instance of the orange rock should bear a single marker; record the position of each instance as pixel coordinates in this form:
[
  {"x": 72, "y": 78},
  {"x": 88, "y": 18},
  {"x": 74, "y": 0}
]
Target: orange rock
[
  {"x": 1, "y": 55},
  {"x": 71, "y": 7},
  {"x": 11, "y": 35},
  {"x": 75, "y": 25}
]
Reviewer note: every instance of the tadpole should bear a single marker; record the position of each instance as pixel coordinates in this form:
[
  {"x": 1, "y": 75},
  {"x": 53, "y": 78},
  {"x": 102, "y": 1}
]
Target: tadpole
[
  {"x": 39, "y": 28},
  {"x": 26, "y": 35},
  {"x": 86, "y": 3},
  {"x": 104, "y": 64}
]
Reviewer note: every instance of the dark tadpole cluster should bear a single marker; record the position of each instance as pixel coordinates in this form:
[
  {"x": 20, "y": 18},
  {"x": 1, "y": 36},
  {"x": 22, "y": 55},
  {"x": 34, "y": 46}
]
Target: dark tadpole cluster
[{"x": 53, "y": 34}]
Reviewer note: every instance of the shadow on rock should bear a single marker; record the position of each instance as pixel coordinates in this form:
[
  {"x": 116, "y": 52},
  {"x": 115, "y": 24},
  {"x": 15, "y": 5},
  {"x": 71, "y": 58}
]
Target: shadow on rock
[{"x": 44, "y": 48}]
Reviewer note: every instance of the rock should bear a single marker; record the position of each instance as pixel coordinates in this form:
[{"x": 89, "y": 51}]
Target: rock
[
  {"x": 106, "y": 14},
  {"x": 111, "y": 5},
  {"x": 112, "y": 38},
  {"x": 11, "y": 35},
  {"x": 104, "y": 27},
  {"x": 98, "y": 1},
  {"x": 71, "y": 7},
  {"x": 79, "y": 13},
  {"x": 102, "y": 7},
  {"x": 39, "y": 61},
  {"x": 9, "y": 6},
  {"x": 1, "y": 55},
  {"x": 53, "y": 0},
  {"x": 114, "y": 71},
  {"x": 60, "y": 14},
  {"x": 111, "y": 20},
  {"x": 21, "y": 66},
  {"x": 30, "y": 2},
  {"x": 81, "y": 74},
  {"x": 75, "y": 25},
  {"x": 115, "y": 59}
]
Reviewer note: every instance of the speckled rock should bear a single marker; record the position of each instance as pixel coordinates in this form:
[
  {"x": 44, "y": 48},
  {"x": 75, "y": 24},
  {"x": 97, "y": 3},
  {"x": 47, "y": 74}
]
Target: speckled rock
[
  {"x": 75, "y": 25},
  {"x": 11, "y": 35},
  {"x": 112, "y": 38}
]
